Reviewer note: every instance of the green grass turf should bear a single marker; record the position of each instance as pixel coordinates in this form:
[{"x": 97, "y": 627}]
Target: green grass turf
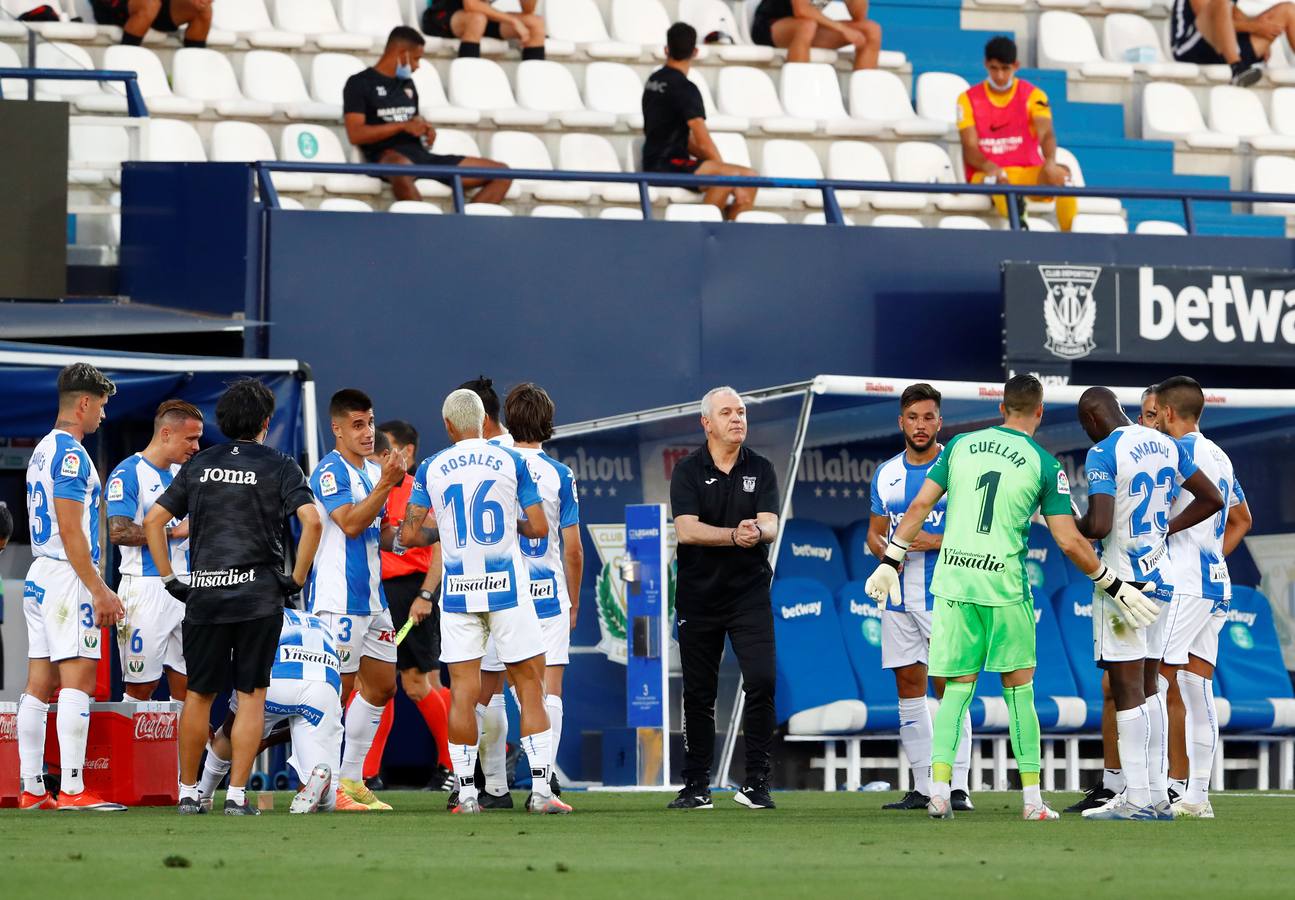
[{"x": 627, "y": 845}]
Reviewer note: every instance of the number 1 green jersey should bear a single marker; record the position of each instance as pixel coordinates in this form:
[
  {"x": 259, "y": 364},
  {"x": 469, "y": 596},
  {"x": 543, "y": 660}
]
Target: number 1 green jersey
[{"x": 995, "y": 478}]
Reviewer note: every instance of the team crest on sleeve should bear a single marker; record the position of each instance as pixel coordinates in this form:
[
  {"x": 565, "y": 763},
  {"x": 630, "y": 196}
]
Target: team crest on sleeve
[
  {"x": 327, "y": 483},
  {"x": 748, "y": 483},
  {"x": 116, "y": 490},
  {"x": 1063, "y": 483},
  {"x": 71, "y": 466}
]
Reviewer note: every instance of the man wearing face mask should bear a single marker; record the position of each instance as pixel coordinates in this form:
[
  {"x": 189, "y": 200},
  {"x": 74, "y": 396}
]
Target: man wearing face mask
[
  {"x": 380, "y": 109},
  {"x": 1006, "y": 129}
]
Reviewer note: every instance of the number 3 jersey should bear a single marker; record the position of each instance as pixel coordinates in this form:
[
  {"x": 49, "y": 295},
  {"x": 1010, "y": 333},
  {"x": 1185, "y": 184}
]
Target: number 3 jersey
[
  {"x": 544, "y": 565},
  {"x": 347, "y": 575},
  {"x": 1197, "y": 552},
  {"x": 477, "y": 492},
  {"x": 60, "y": 469},
  {"x": 1142, "y": 470},
  {"x": 133, "y": 488}
]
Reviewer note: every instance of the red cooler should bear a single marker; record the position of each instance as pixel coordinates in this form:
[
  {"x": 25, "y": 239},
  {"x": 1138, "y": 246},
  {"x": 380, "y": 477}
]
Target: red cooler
[{"x": 9, "y": 784}]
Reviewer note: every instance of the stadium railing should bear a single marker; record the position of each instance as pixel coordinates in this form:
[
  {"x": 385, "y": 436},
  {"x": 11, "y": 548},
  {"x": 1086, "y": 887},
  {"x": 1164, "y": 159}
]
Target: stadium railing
[
  {"x": 827, "y": 187},
  {"x": 135, "y": 105}
]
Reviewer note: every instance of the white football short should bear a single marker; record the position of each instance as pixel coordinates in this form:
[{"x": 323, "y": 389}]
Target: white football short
[
  {"x": 59, "y": 613},
  {"x": 357, "y": 636},
  {"x": 1192, "y": 629},
  {"x": 150, "y": 634},
  {"x": 313, "y": 711},
  {"x": 1115, "y": 640},
  {"x": 515, "y": 633},
  {"x": 905, "y": 638},
  {"x": 556, "y": 631}
]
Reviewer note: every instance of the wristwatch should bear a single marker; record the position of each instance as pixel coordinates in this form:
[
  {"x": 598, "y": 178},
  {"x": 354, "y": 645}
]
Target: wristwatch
[{"x": 426, "y": 595}]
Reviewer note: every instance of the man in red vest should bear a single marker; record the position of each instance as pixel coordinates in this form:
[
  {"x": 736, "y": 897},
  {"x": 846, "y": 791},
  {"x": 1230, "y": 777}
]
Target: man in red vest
[{"x": 1006, "y": 128}]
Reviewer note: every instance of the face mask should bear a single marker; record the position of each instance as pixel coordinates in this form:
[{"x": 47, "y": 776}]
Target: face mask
[
  {"x": 404, "y": 71},
  {"x": 1002, "y": 88}
]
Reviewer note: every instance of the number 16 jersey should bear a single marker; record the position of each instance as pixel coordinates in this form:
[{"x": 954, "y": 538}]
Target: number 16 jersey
[{"x": 477, "y": 492}]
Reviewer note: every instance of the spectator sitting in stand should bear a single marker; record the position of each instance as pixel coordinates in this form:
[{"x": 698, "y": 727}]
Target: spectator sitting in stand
[
  {"x": 471, "y": 20},
  {"x": 799, "y": 25}
]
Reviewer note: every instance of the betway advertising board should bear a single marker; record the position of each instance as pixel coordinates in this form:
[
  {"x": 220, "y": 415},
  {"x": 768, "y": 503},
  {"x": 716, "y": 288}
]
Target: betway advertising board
[{"x": 1058, "y": 313}]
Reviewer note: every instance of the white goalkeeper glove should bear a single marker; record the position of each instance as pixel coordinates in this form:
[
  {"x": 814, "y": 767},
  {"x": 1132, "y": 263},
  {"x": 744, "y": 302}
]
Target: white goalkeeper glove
[
  {"x": 1130, "y": 597},
  {"x": 883, "y": 584}
]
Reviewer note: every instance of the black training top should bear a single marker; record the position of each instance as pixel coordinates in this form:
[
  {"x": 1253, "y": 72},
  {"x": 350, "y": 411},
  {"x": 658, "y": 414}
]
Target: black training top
[
  {"x": 382, "y": 101},
  {"x": 773, "y": 10},
  {"x": 237, "y": 497},
  {"x": 670, "y": 101},
  {"x": 714, "y": 576}
]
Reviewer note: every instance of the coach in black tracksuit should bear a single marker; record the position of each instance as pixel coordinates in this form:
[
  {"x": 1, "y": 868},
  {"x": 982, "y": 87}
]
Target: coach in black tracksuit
[{"x": 724, "y": 499}]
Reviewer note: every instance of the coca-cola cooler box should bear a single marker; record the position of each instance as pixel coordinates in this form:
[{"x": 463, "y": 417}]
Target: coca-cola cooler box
[{"x": 131, "y": 754}]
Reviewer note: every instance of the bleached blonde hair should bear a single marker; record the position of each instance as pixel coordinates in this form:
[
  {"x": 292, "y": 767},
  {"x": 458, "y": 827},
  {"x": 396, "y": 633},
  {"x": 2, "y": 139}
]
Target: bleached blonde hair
[{"x": 464, "y": 411}]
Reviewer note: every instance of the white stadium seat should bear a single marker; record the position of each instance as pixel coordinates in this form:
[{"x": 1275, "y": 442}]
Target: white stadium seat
[
  {"x": 857, "y": 161},
  {"x": 97, "y": 146},
  {"x": 919, "y": 161},
  {"x": 1066, "y": 42},
  {"x": 344, "y": 204},
  {"x": 62, "y": 30},
  {"x": 891, "y": 220},
  {"x": 794, "y": 159},
  {"x": 548, "y": 87},
  {"x": 644, "y": 22},
  {"x": 1169, "y": 112},
  {"x": 315, "y": 143},
  {"x": 545, "y": 211},
  {"x": 594, "y": 153},
  {"x": 199, "y": 73},
  {"x": 715, "y": 120},
  {"x": 246, "y": 142},
  {"x": 1155, "y": 226},
  {"x": 318, "y": 22},
  {"x": 820, "y": 218},
  {"x": 622, "y": 213},
  {"x": 481, "y": 84},
  {"x": 748, "y": 92},
  {"x": 1238, "y": 111},
  {"x": 153, "y": 84},
  {"x": 1274, "y": 175},
  {"x": 520, "y": 150},
  {"x": 761, "y": 217},
  {"x": 812, "y": 91},
  {"x": 486, "y": 209},
  {"x": 460, "y": 143},
  {"x": 716, "y": 16},
  {"x": 248, "y": 19},
  {"x": 1098, "y": 223},
  {"x": 881, "y": 98},
  {"x": 273, "y": 77},
  {"x": 693, "y": 212},
  {"x": 66, "y": 56},
  {"x": 579, "y": 22},
  {"x": 415, "y": 207},
  {"x": 1283, "y": 111},
  {"x": 433, "y": 105},
  {"x": 964, "y": 223},
  {"x": 291, "y": 203},
  {"x": 615, "y": 88},
  {"x": 1109, "y": 205},
  {"x": 14, "y": 88},
  {"x": 328, "y": 75},
  {"x": 170, "y": 140},
  {"x": 937, "y": 97},
  {"x": 1133, "y": 39},
  {"x": 374, "y": 18},
  {"x": 1034, "y": 223}
]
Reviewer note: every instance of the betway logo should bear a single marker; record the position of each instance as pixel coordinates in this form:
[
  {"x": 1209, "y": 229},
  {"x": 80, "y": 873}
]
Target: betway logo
[
  {"x": 1084, "y": 610},
  {"x": 933, "y": 518},
  {"x": 1037, "y": 554},
  {"x": 802, "y": 609},
  {"x": 823, "y": 553},
  {"x": 1224, "y": 311},
  {"x": 869, "y": 610},
  {"x": 1247, "y": 619}
]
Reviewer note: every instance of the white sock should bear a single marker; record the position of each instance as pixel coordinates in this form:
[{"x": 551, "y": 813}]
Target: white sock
[
  {"x": 32, "y": 715},
  {"x": 554, "y": 705},
  {"x": 1158, "y": 745},
  {"x": 237, "y": 794},
  {"x": 1202, "y": 729},
  {"x": 1113, "y": 780},
  {"x": 1134, "y": 730},
  {"x": 1032, "y": 795},
  {"x": 1178, "y": 786},
  {"x": 494, "y": 746},
  {"x": 962, "y": 764},
  {"x": 73, "y": 724},
  {"x": 463, "y": 757},
  {"x": 539, "y": 751},
  {"x": 362, "y": 721},
  {"x": 190, "y": 791},
  {"x": 214, "y": 771},
  {"x": 915, "y": 735}
]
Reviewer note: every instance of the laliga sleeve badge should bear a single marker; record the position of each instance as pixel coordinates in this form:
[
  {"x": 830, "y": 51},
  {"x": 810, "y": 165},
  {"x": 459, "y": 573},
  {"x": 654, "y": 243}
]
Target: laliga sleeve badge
[
  {"x": 1063, "y": 483},
  {"x": 328, "y": 484},
  {"x": 71, "y": 466},
  {"x": 116, "y": 489}
]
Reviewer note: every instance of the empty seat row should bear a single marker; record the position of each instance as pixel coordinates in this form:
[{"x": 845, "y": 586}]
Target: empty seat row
[{"x": 1236, "y": 117}]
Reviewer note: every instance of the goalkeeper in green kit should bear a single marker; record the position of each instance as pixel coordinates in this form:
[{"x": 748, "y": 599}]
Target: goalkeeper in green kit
[{"x": 984, "y": 612}]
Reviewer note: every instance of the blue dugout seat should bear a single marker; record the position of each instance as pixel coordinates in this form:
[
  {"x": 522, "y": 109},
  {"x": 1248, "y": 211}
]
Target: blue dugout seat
[
  {"x": 1251, "y": 675},
  {"x": 1045, "y": 564},
  {"x": 859, "y": 562},
  {"x": 810, "y": 550},
  {"x": 813, "y": 671},
  {"x": 860, "y": 619}
]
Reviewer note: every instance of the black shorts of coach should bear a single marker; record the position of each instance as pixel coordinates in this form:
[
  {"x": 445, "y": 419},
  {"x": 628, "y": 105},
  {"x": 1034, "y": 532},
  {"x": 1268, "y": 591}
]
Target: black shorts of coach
[
  {"x": 243, "y": 653},
  {"x": 421, "y": 648}
]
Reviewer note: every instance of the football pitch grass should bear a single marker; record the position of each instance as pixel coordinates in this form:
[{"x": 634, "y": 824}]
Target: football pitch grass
[{"x": 816, "y": 845}]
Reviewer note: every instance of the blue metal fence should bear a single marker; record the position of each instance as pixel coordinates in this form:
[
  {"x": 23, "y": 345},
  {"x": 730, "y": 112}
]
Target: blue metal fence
[{"x": 134, "y": 99}]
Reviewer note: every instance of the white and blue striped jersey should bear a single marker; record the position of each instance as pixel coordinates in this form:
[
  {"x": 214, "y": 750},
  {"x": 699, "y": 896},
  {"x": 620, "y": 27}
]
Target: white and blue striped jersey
[
  {"x": 557, "y": 487},
  {"x": 477, "y": 491},
  {"x": 1143, "y": 470},
  {"x": 347, "y": 574},
  {"x": 895, "y": 484},
  {"x": 133, "y": 488},
  {"x": 307, "y": 651},
  {"x": 1197, "y": 552},
  {"x": 60, "y": 468}
]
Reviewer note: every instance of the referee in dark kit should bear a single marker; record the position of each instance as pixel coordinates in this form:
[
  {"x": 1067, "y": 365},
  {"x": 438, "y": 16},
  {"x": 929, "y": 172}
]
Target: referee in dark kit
[
  {"x": 237, "y": 497},
  {"x": 724, "y": 499}
]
